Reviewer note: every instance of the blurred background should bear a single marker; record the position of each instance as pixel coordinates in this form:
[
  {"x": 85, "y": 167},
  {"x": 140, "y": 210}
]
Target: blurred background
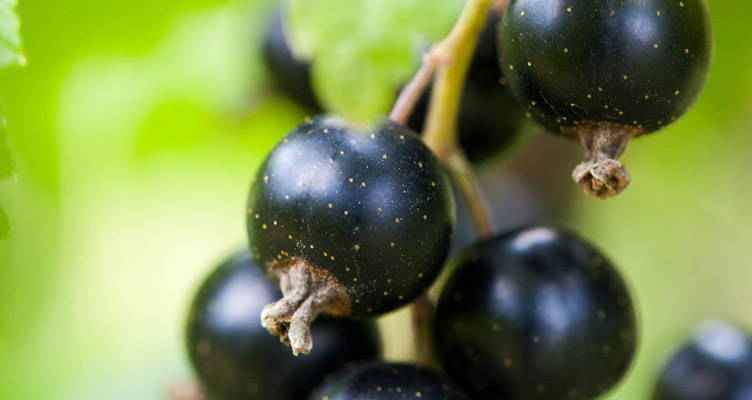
[{"x": 136, "y": 128}]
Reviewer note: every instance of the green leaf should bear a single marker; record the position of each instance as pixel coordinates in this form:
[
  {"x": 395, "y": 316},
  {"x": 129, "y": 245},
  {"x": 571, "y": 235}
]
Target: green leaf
[
  {"x": 6, "y": 162},
  {"x": 4, "y": 225},
  {"x": 10, "y": 38},
  {"x": 363, "y": 51}
]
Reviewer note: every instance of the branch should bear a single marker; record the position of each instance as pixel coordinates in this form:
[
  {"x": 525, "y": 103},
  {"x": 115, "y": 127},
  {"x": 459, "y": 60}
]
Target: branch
[
  {"x": 456, "y": 51},
  {"x": 468, "y": 184}
]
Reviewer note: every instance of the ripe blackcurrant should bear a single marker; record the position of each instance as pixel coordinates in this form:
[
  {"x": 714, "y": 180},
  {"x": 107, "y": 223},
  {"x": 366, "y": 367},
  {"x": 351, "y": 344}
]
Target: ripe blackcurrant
[
  {"x": 234, "y": 356},
  {"x": 353, "y": 222},
  {"x": 484, "y": 130},
  {"x": 289, "y": 75},
  {"x": 605, "y": 71},
  {"x": 387, "y": 381},
  {"x": 535, "y": 314},
  {"x": 715, "y": 365}
]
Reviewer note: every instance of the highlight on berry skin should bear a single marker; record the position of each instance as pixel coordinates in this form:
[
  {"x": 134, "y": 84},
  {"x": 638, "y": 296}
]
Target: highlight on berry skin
[
  {"x": 714, "y": 364},
  {"x": 527, "y": 314},
  {"x": 376, "y": 200},
  {"x": 352, "y": 222},
  {"x": 603, "y": 72}
]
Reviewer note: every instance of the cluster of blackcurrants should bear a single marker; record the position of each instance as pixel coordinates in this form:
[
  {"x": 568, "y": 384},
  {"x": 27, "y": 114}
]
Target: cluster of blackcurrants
[{"x": 353, "y": 222}]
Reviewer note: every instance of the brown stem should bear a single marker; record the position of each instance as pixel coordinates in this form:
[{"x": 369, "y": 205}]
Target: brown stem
[
  {"x": 601, "y": 174},
  {"x": 500, "y": 6},
  {"x": 189, "y": 390},
  {"x": 307, "y": 292},
  {"x": 468, "y": 183},
  {"x": 452, "y": 58},
  {"x": 422, "y": 312},
  {"x": 410, "y": 95}
]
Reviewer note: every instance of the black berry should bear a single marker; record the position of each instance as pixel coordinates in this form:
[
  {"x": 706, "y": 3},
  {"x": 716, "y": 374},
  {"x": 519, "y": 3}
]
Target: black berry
[
  {"x": 387, "y": 381},
  {"x": 490, "y": 119},
  {"x": 535, "y": 314},
  {"x": 605, "y": 71},
  {"x": 354, "y": 222},
  {"x": 715, "y": 365},
  {"x": 289, "y": 75},
  {"x": 234, "y": 356}
]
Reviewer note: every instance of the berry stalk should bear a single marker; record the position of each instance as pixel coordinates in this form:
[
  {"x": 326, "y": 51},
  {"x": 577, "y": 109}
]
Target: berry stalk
[
  {"x": 450, "y": 59},
  {"x": 422, "y": 313},
  {"x": 455, "y": 53},
  {"x": 466, "y": 180},
  {"x": 410, "y": 95},
  {"x": 189, "y": 390}
]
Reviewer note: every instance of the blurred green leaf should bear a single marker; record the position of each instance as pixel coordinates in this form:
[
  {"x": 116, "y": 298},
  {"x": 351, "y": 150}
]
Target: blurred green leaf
[
  {"x": 6, "y": 170},
  {"x": 363, "y": 51},
  {"x": 6, "y": 162},
  {"x": 10, "y": 38},
  {"x": 4, "y": 225}
]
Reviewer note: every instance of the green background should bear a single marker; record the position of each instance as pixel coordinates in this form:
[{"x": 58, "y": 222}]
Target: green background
[{"x": 136, "y": 128}]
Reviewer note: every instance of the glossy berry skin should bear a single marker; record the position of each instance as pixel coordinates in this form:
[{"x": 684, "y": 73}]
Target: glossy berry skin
[
  {"x": 289, "y": 75},
  {"x": 490, "y": 119},
  {"x": 715, "y": 365},
  {"x": 387, "y": 381},
  {"x": 632, "y": 63},
  {"x": 371, "y": 207},
  {"x": 536, "y": 313},
  {"x": 236, "y": 358}
]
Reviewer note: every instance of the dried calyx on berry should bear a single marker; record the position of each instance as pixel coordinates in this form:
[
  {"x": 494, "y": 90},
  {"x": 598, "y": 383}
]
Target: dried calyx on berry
[
  {"x": 604, "y": 72},
  {"x": 353, "y": 222},
  {"x": 235, "y": 358}
]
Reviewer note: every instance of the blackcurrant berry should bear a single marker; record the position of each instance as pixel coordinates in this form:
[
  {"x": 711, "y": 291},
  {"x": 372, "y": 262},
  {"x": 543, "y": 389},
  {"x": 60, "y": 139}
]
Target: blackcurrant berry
[
  {"x": 387, "y": 381},
  {"x": 536, "y": 313},
  {"x": 490, "y": 119},
  {"x": 234, "y": 356},
  {"x": 354, "y": 222},
  {"x": 715, "y": 365},
  {"x": 605, "y": 71},
  {"x": 289, "y": 75}
]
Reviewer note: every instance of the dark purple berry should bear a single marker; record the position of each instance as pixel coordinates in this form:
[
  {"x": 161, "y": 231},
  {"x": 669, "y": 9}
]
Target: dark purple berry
[
  {"x": 387, "y": 381},
  {"x": 354, "y": 222},
  {"x": 605, "y": 71},
  {"x": 536, "y": 313},
  {"x": 289, "y": 75},
  {"x": 715, "y": 365},
  {"x": 489, "y": 118},
  {"x": 236, "y": 358}
]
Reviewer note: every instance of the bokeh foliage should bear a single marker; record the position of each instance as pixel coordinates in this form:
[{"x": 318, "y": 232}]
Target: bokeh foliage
[{"x": 136, "y": 126}]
